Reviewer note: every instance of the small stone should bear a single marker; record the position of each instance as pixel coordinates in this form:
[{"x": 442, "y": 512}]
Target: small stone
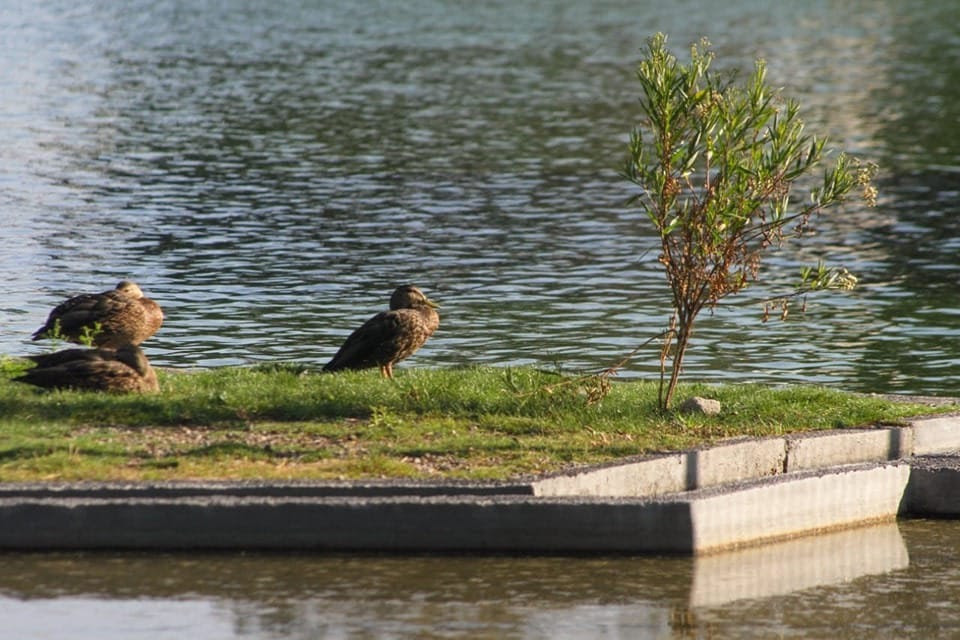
[{"x": 696, "y": 404}]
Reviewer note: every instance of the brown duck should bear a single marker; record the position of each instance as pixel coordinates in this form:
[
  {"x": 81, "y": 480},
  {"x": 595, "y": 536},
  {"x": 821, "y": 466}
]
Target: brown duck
[
  {"x": 389, "y": 336},
  {"x": 113, "y": 318},
  {"x": 123, "y": 370}
]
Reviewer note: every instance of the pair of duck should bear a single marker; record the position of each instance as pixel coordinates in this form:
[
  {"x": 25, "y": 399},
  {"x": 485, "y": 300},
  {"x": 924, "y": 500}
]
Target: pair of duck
[{"x": 119, "y": 320}]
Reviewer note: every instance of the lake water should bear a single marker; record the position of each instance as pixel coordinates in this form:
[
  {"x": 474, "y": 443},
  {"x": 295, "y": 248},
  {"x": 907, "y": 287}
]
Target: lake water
[
  {"x": 270, "y": 171},
  {"x": 887, "y": 581}
]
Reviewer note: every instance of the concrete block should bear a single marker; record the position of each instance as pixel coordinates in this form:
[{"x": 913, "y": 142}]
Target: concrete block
[
  {"x": 796, "y": 504},
  {"x": 671, "y": 473},
  {"x": 736, "y": 462},
  {"x": 456, "y": 523},
  {"x": 688, "y": 522},
  {"x": 650, "y": 477},
  {"x": 936, "y": 435},
  {"x": 832, "y": 448}
]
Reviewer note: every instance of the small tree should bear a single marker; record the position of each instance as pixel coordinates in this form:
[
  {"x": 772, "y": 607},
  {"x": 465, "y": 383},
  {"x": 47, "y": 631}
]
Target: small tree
[{"x": 716, "y": 161}]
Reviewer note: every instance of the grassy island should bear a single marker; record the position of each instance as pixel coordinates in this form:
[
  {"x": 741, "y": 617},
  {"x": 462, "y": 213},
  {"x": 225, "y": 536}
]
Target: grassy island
[{"x": 286, "y": 422}]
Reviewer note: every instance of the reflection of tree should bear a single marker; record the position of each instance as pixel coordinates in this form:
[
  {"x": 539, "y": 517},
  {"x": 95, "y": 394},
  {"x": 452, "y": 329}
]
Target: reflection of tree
[
  {"x": 923, "y": 241},
  {"x": 918, "y": 105},
  {"x": 916, "y": 286},
  {"x": 914, "y": 283},
  {"x": 683, "y": 624}
]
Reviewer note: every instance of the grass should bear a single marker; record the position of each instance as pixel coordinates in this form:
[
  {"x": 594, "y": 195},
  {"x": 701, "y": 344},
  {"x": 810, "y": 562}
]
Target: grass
[{"x": 285, "y": 422}]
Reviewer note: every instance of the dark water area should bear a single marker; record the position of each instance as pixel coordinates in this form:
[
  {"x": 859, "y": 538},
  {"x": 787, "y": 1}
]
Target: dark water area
[
  {"x": 270, "y": 171},
  {"x": 885, "y": 581}
]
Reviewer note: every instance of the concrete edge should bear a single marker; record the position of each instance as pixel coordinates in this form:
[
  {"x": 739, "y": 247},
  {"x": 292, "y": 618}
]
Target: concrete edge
[
  {"x": 735, "y": 494},
  {"x": 701, "y": 521},
  {"x": 755, "y": 458},
  {"x": 737, "y": 460},
  {"x": 799, "y": 504},
  {"x": 396, "y": 524},
  {"x": 245, "y": 488},
  {"x": 935, "y": 434}
]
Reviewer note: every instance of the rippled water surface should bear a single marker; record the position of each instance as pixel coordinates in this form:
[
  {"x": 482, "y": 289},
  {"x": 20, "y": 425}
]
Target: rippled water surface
[
  {"x": 270, "y": 171},
  {"x": 888, "y": 581}
]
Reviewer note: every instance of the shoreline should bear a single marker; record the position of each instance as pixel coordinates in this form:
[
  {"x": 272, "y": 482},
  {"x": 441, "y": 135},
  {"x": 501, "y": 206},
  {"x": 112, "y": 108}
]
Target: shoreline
[{"x": 736, "y": 494}]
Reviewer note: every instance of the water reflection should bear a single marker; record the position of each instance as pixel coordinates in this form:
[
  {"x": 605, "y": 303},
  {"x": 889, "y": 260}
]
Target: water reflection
[
  {"x": 271, "y": 172},
  {"x": 908, "y": 602},
  {"x": 809, "y": 562},
  {"x": 857, "y": 583}
]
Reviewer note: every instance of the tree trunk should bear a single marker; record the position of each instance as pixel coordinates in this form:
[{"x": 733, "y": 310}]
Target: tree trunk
[{"x": 684, "y": 331}]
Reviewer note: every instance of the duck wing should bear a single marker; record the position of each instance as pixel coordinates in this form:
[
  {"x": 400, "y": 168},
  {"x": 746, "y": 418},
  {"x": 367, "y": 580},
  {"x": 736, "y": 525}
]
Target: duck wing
[
  {"x": 70, "y": 355},
  {"x": 83, "y": 311},
  {"x": 93, "y": 375},
  {"x": 374, "y": 343},
  {"x": 121, "y": 319}
]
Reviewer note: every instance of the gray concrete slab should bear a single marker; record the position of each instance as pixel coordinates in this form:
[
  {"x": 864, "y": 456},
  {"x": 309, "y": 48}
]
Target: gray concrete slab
[
  {"x": 753, "y": 458},
  {"x": 737, "y": 461},
  {"x": 398, "y": 524},
  {"x": 652, "y": 476},
  {"x": 936, "y": 435},
  {"x": 795, "y": 504},
  {"x": 687, "y": 522},
  {"x": 848, "y": 446},
  {"x": 669, "y": 473}
]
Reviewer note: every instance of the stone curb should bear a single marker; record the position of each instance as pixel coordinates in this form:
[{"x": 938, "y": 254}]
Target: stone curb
[
  {"x": 729, "y": 496},
  {"x": 697, "y": 521},
  {"x": 756, "y": 458}
]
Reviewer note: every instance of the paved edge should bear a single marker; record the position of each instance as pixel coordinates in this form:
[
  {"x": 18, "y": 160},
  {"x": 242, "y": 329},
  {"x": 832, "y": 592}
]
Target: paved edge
[
  {"x": 733, "y": 495},
  {"x": 751, "y": 458}
]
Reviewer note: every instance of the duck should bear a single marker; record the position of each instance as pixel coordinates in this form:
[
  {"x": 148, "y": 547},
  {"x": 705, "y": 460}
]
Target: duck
[
  {"x": 390, "y": 336},
  {"x": 123, "y": 370},
  {"x": 111, "y": 319}
]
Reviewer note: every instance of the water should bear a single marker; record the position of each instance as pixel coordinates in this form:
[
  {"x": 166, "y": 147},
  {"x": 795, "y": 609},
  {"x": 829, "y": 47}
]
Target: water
[
  {"x": 270, "y": 171},
  {"x": 887, "y": 581}
]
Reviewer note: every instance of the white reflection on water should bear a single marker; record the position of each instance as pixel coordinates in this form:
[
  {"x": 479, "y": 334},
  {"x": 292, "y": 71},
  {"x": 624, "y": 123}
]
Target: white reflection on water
[
  {"x": 812, "y": 561},
  {"x": 115, "y": 619}
]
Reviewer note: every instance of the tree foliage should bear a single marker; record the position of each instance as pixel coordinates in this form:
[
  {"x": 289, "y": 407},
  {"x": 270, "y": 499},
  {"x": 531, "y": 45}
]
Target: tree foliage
[{"x": 716, "y": 160}]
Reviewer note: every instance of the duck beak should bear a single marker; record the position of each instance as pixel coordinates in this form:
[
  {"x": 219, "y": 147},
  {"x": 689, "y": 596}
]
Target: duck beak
[{"x": 431, "y": 303}]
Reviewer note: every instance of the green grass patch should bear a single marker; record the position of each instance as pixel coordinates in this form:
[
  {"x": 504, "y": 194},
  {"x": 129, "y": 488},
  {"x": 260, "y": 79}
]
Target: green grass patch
[{"x": 285, "y": 422}]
